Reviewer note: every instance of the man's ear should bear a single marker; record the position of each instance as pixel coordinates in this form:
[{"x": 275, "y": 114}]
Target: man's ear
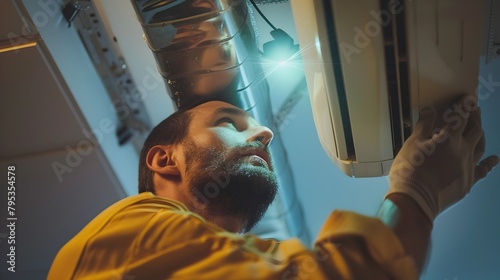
[{"x": 161, "y": 159}]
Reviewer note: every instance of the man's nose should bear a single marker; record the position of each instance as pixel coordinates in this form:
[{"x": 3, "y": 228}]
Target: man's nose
[{"x": 260, "y": 133}]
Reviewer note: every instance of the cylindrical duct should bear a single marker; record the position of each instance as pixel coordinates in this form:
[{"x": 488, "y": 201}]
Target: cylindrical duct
[{"x": 204, "y": 49}]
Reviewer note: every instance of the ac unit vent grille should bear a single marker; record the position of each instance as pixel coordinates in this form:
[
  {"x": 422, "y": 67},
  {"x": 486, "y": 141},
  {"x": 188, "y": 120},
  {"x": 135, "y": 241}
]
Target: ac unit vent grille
[{"x": 396, "y": 63}]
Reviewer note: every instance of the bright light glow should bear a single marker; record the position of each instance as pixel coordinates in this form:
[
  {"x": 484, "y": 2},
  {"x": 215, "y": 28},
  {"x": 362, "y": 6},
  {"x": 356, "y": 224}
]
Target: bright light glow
[
  {"x": 282, "y": 67},
  {"x": 282, "y": 63},
  {"x": 283, "y": 71}
]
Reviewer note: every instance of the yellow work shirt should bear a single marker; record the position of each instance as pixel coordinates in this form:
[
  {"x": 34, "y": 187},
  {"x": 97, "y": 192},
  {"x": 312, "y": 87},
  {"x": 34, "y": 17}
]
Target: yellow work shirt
[{"x": 151, "y": 237}]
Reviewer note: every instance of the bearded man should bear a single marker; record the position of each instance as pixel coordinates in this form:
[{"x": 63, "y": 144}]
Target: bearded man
[{"x": 206, "y": 178}]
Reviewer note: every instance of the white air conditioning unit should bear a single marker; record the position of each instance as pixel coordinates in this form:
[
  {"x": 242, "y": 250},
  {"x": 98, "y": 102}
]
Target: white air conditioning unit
[{"x": 371, "y": 65}]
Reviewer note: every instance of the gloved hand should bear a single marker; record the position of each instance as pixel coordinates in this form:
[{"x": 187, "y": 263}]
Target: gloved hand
[{"x": 436, "y": 166}]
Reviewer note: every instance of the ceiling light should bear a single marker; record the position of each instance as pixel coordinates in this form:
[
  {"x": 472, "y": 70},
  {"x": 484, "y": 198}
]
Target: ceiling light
[{"x": 282, "y": 48}]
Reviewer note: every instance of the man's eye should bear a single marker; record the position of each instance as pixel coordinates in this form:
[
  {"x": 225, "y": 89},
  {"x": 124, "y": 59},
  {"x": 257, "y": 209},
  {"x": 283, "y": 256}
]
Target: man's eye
[{"x": 226, "y": 121}]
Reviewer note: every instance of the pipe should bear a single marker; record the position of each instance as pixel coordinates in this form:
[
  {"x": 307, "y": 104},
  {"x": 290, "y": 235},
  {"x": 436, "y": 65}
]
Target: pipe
[{"x": 206, "y": 49}]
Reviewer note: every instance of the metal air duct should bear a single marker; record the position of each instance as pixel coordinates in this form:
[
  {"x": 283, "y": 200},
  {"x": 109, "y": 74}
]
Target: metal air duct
[{"x": 206, "y": 49}]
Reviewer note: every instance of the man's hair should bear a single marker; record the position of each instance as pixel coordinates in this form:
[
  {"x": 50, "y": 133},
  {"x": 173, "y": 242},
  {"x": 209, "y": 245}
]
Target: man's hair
[{"x": 170, "y": 131}]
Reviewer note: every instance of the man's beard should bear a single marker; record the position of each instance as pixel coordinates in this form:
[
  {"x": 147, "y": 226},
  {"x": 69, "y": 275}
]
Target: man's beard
[{"x": 225, "y": 183}]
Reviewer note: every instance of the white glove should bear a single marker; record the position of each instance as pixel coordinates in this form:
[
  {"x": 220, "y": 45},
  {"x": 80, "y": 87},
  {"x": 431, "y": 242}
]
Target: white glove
[{"x": 436, "y": 166}]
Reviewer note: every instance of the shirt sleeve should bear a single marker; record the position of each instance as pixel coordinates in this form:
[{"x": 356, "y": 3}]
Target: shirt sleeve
[
  {"x": 146, "y": 241},
  {"x": 362, "y": 247}
]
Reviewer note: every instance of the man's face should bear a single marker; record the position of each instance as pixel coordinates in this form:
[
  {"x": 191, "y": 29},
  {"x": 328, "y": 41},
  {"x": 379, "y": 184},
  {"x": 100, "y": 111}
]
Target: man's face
[{"x": 228, "y": 166}]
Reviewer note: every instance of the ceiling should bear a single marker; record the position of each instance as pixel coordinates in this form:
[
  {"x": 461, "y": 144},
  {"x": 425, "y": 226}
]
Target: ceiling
[{"x": 64, "y": 179}]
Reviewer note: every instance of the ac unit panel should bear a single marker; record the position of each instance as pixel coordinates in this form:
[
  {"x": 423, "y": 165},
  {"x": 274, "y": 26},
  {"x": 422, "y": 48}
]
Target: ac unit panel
[{"x": 433, "y": 56}]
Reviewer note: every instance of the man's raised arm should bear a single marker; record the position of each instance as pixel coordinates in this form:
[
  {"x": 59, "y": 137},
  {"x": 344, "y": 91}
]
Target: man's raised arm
[{"x": 436, "y": 167}]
